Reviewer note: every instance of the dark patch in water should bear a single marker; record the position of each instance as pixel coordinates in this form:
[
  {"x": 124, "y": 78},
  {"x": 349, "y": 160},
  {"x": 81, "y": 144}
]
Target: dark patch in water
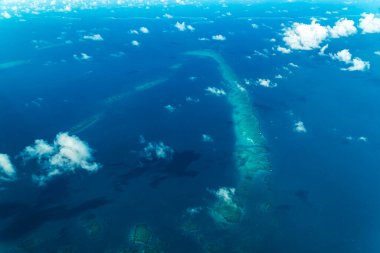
[
  {"x": 162, "y": 170},
  {"x": 302, "y": 195},
  {"x": 8, "y": 209},
  {"x": 56, "y": 191},
  {"x": 34, "y": 217}
]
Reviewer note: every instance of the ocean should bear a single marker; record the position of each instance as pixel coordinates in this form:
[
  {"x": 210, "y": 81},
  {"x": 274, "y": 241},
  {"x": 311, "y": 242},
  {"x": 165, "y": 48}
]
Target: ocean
[{"x": 161, "y": 125}]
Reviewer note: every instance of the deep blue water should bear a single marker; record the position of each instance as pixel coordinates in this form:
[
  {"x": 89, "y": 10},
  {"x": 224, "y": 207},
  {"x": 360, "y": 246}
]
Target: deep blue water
[{"x": 323, "y": 192}]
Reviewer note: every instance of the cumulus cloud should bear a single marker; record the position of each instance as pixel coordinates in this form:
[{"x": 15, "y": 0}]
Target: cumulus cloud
[
  {"x": 7, "y": 170},
  {"x": 66, "y": 154},
  {"x": 207, "y": 138},
  {"x": 284, "y": 50},
  {"x": 94, "y": 37},
  {"x": 302, "y": 36},
  {"x": 218, "y": 37},
  {"x": 183, "y": 27},
  {"x": 305, "y": 36},
  {"x": 166, "y": 15},
  {"x": 82, "y": 57},
  {"x": 343, "y": 28},
  {"x": 266, "y": 83},
  {"x": 144, "y": 30},
  {"x": 157, "y": 151},
  {"x": 343, "y": 55},
  {"x": 215, "y": 91},
  {"x": 6, "y": 15},
  {"x": 169, "y": 108},
  {"x": 369, "y": 23},
  {"x": 135, "y": 43},
  {"x": 299, "y": 127},
  {"x": 356, "y": 63},
  {"x": 225, "y": 194}
]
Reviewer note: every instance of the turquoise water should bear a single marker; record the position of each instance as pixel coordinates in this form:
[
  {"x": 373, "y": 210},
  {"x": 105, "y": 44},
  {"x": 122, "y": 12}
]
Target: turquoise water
[{"x": 321, "y": 194}]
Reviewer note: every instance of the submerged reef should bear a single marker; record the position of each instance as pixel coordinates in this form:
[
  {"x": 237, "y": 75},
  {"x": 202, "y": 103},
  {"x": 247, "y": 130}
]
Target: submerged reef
[{"x": 251, "y": 156}]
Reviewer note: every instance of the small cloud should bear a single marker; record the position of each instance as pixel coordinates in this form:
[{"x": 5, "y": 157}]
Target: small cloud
[
  {"x": 7, "y": 170},
  {"x": 293, "y": 65},
  {"x": 82, "y": 57},
  {"x": 180, "y": 26},
  {"x": 215, "y": 91},
  {"x": 369, "y": 23},
  {"x": 6, "y": 15},
  {"x": 377, "y": 53},
  {"x": 65, "y": 155},
  {"x": 168, "y": 16},
  {"x": 345, "y": 56},
  {"x": 323, "y": 49},
  {"x": 190, "y": 28},
  {"x": 191, "y": 99},
  {"x": 254, "y": 26},
  {"x": 305, "y": 36},
  {"x": 135, "y": 43},
  {"x": 343, "y": 28},
  {"x": 299, "y": 127},
  {"x": 225, "y": 194},
  {"x": 278, "y": 76},
  {"x": 358, "y": 65},
  {"x": 133, "y": 32},
  {"x": 157, "y": 151},
  {"x": 94, "y": 37},
  {"x": 207, "y": 138},
  {"x": 144, "y": 30},
  {"x": 218, "y": 37},
  {"x": 284, "y": 50},
  {"x": 266, "y": 83},
  {"x": 170, "y": 108}
]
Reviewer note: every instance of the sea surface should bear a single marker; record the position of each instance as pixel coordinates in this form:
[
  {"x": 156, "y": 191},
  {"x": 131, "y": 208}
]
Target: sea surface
[{"x": 322, "y": 190}]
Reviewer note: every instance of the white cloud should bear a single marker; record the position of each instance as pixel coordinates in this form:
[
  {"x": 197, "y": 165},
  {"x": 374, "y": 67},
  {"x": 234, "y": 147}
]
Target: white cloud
[
  {"x": 343, "y": 28},
  {"x": 225, "y": 194},
  {"x": 7, "y": 170},
  {"x": 166, "y": 15},
  {"x": 144, "y": 30},
  {"x": 299, "y": 127},
  {"x": 305, "y": 36},
  {"x": 343, "y": 55},
  {"x": 6, "y": 15},
  {"x": 180, "y": 26},
  {"x": 67, "y": 154},
  {"x": 190, "y": 28},
  {"x": 207, "y": 138},
  {"x": 133, "y": 32},
  {"x": 95, "y": 37},
  {"x": 254, "y": 26},
  {"x": 135, "y": 43},
  {"x": 369, "y": 23},
  {"x": 357, "y": 64},
  {"x": 323, "y": 49},
  {"x": 266, "y": 83},
  {"x": 82, "y": 57},
  {"x": 302, "y": 36},
  {"x": 284, "y": 50},
  {"x": 218, "y": 37},
  {"x": 170, "y": 108},
  {"x": 291, "y": 64},
  {"x": 377, "y": 52},
  {"x": 215, "y": 91},
  {"x": 157, "y": 151}
]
